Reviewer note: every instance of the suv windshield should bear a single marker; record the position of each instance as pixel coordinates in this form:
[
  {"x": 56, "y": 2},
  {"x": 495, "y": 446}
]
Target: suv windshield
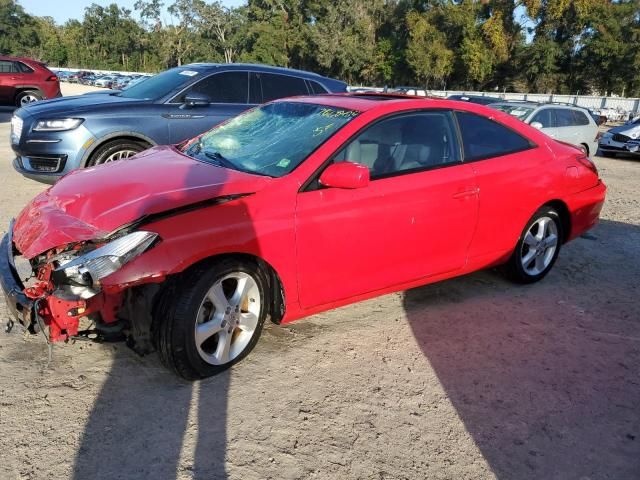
[
  {"x": 270, "y": 140},
  {"x": 519, "y": 111},
  {"x": 160, "y": 85}
]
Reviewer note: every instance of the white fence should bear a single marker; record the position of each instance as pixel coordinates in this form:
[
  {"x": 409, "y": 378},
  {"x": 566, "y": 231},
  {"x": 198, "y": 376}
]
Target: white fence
[{"x": 595, "y": 102}]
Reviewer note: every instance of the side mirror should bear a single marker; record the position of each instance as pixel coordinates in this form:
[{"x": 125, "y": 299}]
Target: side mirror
[
  {"x": 196, "y": 100},
  {"x": 536, "y": 125},
  {"x": 345, "y": 175}
]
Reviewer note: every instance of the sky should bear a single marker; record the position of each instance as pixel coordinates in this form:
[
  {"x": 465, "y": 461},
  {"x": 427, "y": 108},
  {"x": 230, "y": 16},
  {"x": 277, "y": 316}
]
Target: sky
[{"x": 63, "y": 10}]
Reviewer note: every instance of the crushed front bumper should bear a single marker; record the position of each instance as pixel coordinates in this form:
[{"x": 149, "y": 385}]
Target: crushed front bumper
[{"x": 20, "y": 306}]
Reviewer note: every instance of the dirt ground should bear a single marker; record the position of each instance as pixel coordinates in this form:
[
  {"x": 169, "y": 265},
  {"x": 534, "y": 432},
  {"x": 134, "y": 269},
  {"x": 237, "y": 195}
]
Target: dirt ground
[{"x": 473, "y": 378}]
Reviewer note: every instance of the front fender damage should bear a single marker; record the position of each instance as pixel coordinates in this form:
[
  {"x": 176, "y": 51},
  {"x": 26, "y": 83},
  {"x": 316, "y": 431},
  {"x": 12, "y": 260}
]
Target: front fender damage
[{"x": 63, "y": 312}]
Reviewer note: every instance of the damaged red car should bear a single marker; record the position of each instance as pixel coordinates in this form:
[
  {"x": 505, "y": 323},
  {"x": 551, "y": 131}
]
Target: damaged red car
[{"x": 292, "y": 208}]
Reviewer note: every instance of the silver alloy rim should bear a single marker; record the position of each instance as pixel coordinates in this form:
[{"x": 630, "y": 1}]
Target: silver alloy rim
[
  {"x": 119, "y": 155},
  {"x": 539, "y": 246},
  {"x": 28, "y": 99},
  {"x": 227, "y": 318}
]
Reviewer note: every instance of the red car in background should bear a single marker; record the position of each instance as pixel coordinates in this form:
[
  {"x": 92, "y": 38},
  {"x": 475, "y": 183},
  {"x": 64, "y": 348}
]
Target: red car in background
[
  {"x": 294, "y": 207},
  {"x": 23, "y": 80}
]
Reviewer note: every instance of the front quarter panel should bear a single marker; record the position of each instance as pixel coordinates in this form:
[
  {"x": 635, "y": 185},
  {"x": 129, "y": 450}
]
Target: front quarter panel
[{"x": 260, "y": 225}]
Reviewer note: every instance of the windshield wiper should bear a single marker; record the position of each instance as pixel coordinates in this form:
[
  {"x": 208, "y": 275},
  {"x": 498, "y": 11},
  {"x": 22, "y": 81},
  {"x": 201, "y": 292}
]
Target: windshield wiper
[{"x": 220, "y": 159}]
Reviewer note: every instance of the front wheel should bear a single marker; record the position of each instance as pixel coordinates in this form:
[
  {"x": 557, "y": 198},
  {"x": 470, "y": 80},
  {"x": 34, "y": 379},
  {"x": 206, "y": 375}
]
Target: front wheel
[
  {"x": 212, "y": 319},
  {"x": 537, "y": 248},
  {"x": 116, "y": 150}
]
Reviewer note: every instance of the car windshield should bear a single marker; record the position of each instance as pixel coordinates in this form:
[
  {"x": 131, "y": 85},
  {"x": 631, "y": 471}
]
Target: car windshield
[
  {"x": 272, "y": 139},
  {"x": 160, "y": 85},
  {"x": 519, "y": 111}
]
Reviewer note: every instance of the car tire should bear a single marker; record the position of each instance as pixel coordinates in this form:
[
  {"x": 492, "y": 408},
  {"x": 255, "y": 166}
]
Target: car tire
[
  {"x": 537, "y": 248},
  {"x": 116, "y": 150},
  {"x": 28, "y": 96},
  {"x": 233, "y": 314}
]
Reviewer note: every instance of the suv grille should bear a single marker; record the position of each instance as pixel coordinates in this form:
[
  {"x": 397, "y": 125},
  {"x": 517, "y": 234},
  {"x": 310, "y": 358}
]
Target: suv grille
[
  {"x": 617, "y": 137},
  {"x": 47, "y": 164}
]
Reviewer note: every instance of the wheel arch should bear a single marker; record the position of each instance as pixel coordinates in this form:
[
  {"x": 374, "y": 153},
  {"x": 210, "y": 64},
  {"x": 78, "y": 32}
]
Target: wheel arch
[
  {"x": 277, "y": 302},
  {"x": 131, "y": 136},
  {"x": 25, "y": 88},
  {"x": 565, "y": 216}
]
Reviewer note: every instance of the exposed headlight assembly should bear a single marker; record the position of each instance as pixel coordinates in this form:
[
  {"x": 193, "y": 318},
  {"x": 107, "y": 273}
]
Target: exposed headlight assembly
[
  {"x": 57, "y": 125},
  {"x": 91, "y": 267}
]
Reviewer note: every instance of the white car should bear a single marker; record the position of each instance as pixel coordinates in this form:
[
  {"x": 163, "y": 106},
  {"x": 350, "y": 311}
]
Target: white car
[
  {"x": 105, "y": 81},
  {"x": 622, "y": 139},
  {"x": 566, "y": 123}
]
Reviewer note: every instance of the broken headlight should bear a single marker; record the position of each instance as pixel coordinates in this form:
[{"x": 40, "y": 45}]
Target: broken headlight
[{"x": 91, "y": 267}]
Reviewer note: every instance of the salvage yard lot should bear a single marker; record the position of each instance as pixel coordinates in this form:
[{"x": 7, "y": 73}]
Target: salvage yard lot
[{"x": 469, "y": 378}]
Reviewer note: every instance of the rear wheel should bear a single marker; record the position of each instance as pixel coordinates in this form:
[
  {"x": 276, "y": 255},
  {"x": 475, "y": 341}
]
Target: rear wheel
[
  {"x": 537, "y": 248},
  {"x": 585, "y": 149},
  {"x": 212, "y": 319},
  {"x": 27, "y": 97},
  {"x": 116, "y": 150}
]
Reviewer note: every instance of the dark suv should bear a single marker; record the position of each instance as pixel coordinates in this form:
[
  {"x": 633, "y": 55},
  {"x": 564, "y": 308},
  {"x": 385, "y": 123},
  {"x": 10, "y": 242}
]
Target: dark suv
[
  {"x": 53, "y": 138},
  {"x": 24, "y": 81}
]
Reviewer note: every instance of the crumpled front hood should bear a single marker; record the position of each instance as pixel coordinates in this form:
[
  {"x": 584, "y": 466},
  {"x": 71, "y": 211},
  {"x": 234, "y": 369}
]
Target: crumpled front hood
[{"x": 88, "y": 204}]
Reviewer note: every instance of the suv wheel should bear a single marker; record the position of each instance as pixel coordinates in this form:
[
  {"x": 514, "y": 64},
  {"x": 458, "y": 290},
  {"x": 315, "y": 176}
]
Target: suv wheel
[
  {"x": 27, "y": 97},
  {"x": 116, "y": 150}
]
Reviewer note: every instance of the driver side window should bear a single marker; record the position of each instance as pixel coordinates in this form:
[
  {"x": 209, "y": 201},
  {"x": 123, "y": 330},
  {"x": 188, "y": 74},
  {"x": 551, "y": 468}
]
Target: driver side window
[
  {"x": 225, "y": 87},
  {"x": 404, "y": 144}
]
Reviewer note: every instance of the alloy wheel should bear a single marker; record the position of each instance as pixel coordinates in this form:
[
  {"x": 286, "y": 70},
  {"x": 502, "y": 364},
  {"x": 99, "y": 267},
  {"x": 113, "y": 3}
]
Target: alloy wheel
[
  {"x": 119, "y": 155},
  {"x": 28, "y": 98},
  {"x": 539, "y": 246},
  {"x": 227, "y": 318}
]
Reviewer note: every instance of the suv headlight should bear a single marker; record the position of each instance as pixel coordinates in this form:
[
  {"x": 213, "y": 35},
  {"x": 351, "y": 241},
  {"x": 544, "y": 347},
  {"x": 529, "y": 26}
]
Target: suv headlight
[
  {"x": 91, "y": 267},
  {"x": 57, "y": 125}
]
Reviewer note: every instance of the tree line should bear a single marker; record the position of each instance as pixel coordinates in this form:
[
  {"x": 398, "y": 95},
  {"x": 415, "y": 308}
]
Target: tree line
[{"x": 545, "y": 46}]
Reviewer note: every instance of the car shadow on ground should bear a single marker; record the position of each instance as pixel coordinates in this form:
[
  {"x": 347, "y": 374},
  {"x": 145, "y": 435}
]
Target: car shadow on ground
[
  {"x": 146, "y": 422},
  {"x": 546, "y": 384}
]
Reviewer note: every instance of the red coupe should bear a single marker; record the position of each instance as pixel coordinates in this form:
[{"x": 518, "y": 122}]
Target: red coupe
[{"x": 292, "y": 208}]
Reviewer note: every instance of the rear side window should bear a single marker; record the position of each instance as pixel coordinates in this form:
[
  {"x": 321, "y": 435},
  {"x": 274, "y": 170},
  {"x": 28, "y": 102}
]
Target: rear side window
[
  {"x": 564, "y": 117},
  {"x": 316, "y": 88},
  {"x": 485, "y": 138},
  {"x": 225, "y": 87},
  {"x": 24, "y": 68},
  {"x": 7, "y": 67},
  {"x": 279, "y": 86},
  {"x": 579, "y": 118}
]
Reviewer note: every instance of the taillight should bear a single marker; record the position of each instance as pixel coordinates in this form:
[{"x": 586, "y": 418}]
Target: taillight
[
  {"x": 586, "y": 162},
  {"x": 52, "y": 78}
]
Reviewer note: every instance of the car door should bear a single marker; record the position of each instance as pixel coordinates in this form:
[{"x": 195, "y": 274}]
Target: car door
[
  {"x": 566, "y": 129},
  {"x": 415, "y": 218},
  {"x": 229, "y": 96},
  {"x": 8, "y": 81},
  {"x": 509, "y": 172},
  {"x": 547, "y": 118}
]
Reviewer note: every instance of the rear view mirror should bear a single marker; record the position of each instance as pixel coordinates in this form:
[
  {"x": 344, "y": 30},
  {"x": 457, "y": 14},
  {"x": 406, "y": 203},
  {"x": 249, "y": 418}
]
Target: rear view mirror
[
  {"x": 536, "y": 125},
  {"x": 196, "y": 100},
  {"x": 345, "y": 175}
]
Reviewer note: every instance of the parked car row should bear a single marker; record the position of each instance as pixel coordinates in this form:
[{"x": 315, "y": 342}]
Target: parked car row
[{"x": 114, "y": 81}]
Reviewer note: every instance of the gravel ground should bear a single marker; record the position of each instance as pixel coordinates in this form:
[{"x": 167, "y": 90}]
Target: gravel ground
[{"x": 472, "y": 378}]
